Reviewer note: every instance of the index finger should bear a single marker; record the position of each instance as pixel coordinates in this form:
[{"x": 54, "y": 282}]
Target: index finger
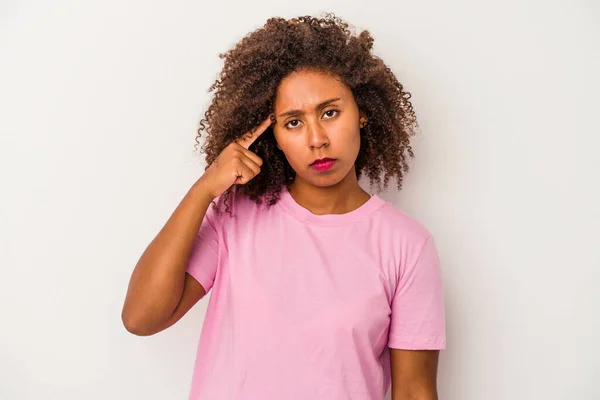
[{"x": 250, "y": 137}]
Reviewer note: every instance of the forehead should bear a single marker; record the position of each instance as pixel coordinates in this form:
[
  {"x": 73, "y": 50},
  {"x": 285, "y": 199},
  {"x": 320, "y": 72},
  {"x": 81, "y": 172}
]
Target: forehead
[{"x": 305, "y": 89}]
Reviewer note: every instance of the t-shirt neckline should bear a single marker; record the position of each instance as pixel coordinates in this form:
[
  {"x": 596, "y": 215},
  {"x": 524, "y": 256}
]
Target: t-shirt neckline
[{"x": 288, "y": 203}]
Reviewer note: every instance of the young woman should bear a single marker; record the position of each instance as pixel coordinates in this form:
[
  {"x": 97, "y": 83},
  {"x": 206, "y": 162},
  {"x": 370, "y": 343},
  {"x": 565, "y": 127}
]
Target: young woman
[{"x": 320, "y": 290}]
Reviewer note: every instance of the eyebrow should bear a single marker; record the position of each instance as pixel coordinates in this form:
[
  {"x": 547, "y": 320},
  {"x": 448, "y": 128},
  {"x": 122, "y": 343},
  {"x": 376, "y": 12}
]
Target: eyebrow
[{"x": 300, "y": 112}]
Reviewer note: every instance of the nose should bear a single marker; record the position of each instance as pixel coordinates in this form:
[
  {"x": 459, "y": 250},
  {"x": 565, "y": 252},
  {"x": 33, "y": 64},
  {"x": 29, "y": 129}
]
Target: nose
[{"x": 317, "y": 136}]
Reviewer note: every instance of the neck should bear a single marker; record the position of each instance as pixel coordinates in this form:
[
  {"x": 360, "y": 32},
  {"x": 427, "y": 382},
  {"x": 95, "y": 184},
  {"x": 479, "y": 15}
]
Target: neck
[{"x": 340, "y": 198}]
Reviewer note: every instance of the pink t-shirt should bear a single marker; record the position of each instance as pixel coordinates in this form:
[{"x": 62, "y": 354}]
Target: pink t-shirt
[{"x": 304, "y": 306}]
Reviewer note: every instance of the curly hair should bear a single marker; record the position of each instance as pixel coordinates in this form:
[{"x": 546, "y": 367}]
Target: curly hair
[{"x": 244, "y": 96}]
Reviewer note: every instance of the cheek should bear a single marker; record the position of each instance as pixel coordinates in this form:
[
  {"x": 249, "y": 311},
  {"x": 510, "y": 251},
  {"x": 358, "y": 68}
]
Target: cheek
[
  {"x": 357, "y": 140},
  {"x": 285, "y": 140},
  {"x": 353, "y": 139},
  {"x": 292, "y": 153},
  {"x": 284, "y": 144}
]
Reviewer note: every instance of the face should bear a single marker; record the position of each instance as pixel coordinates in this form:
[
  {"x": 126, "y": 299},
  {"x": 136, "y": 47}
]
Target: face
[{"x": 317, "y": 118}]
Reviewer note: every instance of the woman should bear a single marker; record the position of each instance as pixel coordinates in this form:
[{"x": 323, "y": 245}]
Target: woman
[{"x": 320, "y": 290}]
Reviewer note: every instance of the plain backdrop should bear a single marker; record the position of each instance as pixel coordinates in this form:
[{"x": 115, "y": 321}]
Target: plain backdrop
[{"x": 99, "y": 105}]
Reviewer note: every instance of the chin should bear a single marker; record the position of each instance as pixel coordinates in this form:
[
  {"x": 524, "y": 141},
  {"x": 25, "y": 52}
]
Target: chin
[
  {"x": 325, "y": 184},
  {"x": 324, "y": 181}
]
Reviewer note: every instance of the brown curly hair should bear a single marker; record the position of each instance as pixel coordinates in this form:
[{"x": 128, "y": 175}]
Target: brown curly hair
[{"x": 244, "y": 96}]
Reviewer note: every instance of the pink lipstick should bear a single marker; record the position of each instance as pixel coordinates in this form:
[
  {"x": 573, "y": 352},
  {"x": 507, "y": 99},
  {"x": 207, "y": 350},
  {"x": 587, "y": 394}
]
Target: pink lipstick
[{"x": 323, "y": 164}]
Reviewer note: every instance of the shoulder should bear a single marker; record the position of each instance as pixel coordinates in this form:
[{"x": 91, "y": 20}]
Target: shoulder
[
  {"x": 401, "y": 226},
  {"x": 409, "y": 244}
]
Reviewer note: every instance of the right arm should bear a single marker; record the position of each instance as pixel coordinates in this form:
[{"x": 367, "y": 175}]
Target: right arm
[{"x": 160, "y": 290}]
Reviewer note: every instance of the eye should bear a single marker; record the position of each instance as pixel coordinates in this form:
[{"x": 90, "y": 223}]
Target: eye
[
  {"x": 331, "y": 113},
  {"x": 293, "y": 123}
]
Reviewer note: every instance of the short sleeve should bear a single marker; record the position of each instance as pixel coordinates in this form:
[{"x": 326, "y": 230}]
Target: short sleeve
[
  {"x": 203, "y": 261},
  {"x": 418, "y": 316}
]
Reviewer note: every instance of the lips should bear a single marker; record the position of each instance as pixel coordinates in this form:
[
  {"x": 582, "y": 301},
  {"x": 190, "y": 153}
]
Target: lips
[
  {"x": 322, "y": 161},
  {"x": 323, "y": 164}
]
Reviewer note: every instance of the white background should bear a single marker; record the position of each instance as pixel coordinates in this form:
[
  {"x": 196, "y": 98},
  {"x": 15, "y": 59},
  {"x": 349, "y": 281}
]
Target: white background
[{"x": 99, "y": 103}]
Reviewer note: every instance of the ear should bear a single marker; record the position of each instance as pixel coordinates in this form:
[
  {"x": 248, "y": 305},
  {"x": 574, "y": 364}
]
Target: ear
[{"x": 362, "y": 121}]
